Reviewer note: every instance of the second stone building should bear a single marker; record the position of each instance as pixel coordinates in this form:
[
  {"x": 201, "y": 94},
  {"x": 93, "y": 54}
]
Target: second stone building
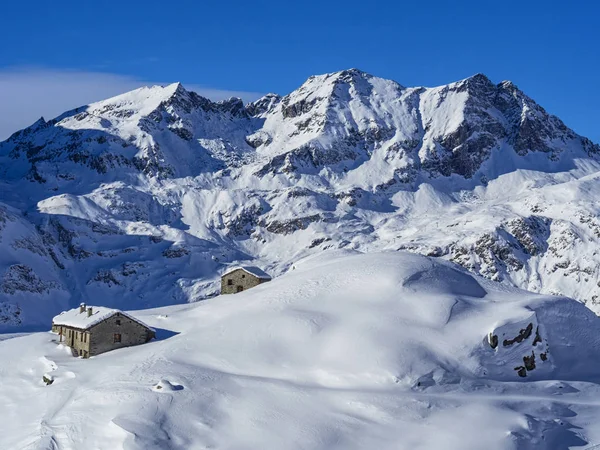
[{"x": 242, "y": 278}]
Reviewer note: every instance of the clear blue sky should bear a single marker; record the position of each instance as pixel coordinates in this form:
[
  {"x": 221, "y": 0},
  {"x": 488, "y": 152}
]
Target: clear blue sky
[{"x": 550, "y": 49}]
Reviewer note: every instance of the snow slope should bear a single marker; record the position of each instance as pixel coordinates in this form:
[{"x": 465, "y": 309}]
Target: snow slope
[
  {"x": 344, "y": 351},
  {"x": 142, "y": 200}
]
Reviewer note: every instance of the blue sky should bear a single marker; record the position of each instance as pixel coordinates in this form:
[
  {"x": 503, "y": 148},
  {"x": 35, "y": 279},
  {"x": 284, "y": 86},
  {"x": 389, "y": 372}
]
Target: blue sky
[{"x": 62, "y": 54}]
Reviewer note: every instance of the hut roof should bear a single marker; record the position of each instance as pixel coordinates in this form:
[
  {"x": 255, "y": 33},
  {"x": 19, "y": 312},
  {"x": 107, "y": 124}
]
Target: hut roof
[
  {"x": 252, "y": 270},
  {"x": 76, "y": 319}
]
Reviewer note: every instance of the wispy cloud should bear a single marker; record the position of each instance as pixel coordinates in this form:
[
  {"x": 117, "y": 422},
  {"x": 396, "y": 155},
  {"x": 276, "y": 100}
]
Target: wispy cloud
[{"x": 27, "y": 93}]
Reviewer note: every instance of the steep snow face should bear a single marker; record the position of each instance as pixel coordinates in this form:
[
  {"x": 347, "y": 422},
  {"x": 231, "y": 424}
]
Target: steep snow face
[
  {"x": 149, "y": 195},
  {"x": 467, "y": 122},
  {"x": 30, "y": 285},
  {"x": 157, "y": 131},
  {"x": 348, "y": 351},
  {"x": 335, "y": 119},
  {"x": 350, "y": 118},
  {"x": 331, "y": 126}
]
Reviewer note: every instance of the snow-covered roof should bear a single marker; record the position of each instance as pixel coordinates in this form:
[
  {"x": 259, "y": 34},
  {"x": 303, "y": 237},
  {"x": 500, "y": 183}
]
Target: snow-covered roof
[
  {"x": 74, "y": 318},
  {"x": 252, "y": 270}
]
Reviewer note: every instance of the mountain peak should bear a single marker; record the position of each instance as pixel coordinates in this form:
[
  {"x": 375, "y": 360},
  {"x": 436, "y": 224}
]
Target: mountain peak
[
  {"x": 169, "y": 91},
  {"x": 479, "y": 77},
  {"x": 263, "y": 105},
  {"x": 171, "y": 86},
  {"x": 233, "y": 105},
  {"x": 40, "y": 122},
  {"x": 508, "y": 85},
  {"x": 352, "y": 74},
  {"x": 477, "y": 80},
  {"x": 333, "y": 83},
  {"x": 174, "y": 89},
  {"x": 34, "y": 127},
  {"x": 347, "y": 76}
]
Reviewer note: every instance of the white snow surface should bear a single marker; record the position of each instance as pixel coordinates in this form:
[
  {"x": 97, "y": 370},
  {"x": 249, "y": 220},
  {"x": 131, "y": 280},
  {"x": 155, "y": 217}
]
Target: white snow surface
[
  {"x": 142, "y": 200},
  {"x": 75, "y": 318},
  {"x": 345, "y": 351},
  {"x": 139, "y": 202}
]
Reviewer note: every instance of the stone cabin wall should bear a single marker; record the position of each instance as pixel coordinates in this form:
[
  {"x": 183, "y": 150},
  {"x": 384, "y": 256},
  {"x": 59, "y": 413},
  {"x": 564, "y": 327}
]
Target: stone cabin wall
[
  {"x": 231, "y": 283},
  {"x": 78, "y": 340},
  {"x": 130, "y": 331}
]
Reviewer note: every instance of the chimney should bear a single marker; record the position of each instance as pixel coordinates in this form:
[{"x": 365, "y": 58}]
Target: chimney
[
  {"x": 89, "y": 311},
  {"x": 81, "y": 308}
]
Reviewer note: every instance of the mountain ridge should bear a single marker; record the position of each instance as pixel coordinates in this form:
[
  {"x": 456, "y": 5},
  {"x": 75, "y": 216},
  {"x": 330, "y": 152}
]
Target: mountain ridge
[{"x": 162, "y": 184}]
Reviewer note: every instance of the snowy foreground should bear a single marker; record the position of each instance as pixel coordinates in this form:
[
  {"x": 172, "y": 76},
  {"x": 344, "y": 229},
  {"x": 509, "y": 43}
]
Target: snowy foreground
[{"x": 345, "y": 351}]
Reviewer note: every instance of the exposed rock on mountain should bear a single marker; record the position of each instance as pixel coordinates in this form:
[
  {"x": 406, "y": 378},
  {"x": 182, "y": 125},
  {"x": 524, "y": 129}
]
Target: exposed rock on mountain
[{"x": 474, "y": 172}]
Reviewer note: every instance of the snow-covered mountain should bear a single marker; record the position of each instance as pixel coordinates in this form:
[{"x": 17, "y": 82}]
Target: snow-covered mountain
[
  {"x": 140, "y": 200},
  {"x": 346, "y": 351}
]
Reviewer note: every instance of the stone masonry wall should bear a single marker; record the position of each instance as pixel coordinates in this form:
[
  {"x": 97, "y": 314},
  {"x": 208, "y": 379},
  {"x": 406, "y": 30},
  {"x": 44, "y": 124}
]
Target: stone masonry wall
[
  {"x": 103, "y": 334},
  {"x": 239, "y": 278},
  {"x": 78, "y": 340}
]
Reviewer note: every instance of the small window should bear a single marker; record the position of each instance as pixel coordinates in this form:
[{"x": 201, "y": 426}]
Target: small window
[
  {"x": 229, "y": 282},
  {"x": 118, "y": 321},
  {"x": 243, "y": 276},
  {"x": 240, "y": 288},
  {"x": 116, "y": 338}
]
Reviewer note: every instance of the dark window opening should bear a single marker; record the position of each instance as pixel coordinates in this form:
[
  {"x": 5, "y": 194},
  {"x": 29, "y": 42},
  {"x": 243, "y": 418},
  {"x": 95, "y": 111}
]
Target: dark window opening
[
  {"x": 229, "y": 282},
  {"x": 240, "y": 288},
  {"x": 243, "y": 276},
  {"x": 118, "y": 321},
  {"x": 116, "y": 338}
]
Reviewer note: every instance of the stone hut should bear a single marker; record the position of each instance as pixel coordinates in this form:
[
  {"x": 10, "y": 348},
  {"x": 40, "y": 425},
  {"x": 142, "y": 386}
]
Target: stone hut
[
  {"x": 91, "y": 330},
  {"x": 242, "y": 278}
]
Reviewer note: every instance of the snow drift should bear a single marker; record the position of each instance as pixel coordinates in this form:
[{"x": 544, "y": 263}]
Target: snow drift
[{"x": 345, "y": 351}]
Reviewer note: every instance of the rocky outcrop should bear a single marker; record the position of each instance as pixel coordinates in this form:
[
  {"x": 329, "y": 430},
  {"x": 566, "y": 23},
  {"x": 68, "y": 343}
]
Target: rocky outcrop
[
  {"x": 176, "y": 252},
  {"x": 291, "y": 225},
  {"x": 21, "y": 278},
  {"x": 347, "y": 160},
  {"x": 521, "y": 344}
]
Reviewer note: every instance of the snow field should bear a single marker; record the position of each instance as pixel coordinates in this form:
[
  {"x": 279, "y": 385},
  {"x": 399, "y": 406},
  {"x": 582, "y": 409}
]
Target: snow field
[{"x": 345, "y": 351}]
